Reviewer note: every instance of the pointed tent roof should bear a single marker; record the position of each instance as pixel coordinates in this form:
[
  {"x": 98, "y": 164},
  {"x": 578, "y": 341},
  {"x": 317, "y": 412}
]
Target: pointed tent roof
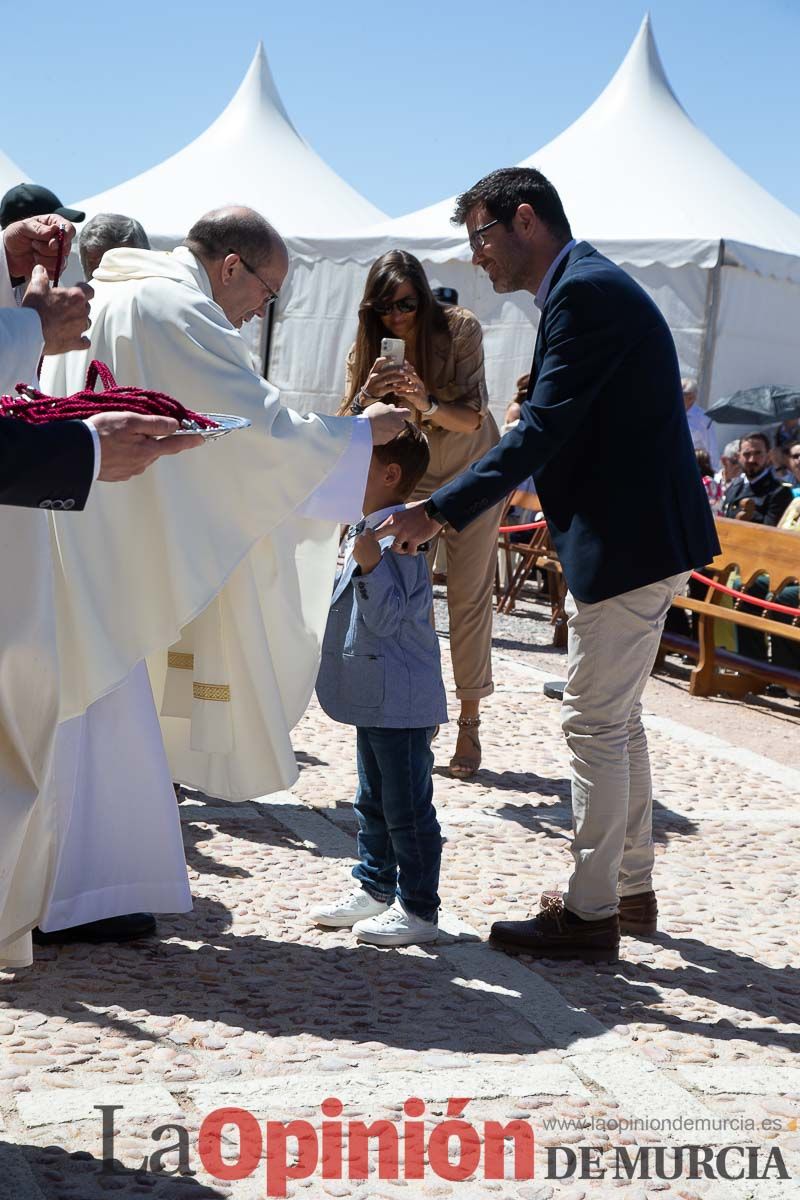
[
  {"x": 252, "y": 154},
  {"x": 10, "y": 174},
  {"x": 635, "y": 166}
]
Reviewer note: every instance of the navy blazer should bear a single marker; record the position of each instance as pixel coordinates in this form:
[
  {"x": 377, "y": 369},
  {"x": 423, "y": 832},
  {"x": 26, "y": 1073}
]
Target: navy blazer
[
  {"x": 45, "y": 466},
  {"x": 603, "y": 431},
  {"x": 381, "y": 666}
]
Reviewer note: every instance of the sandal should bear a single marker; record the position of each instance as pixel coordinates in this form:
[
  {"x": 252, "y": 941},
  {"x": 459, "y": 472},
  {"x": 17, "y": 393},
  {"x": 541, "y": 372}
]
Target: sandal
[{"x": 464, "y": 766}]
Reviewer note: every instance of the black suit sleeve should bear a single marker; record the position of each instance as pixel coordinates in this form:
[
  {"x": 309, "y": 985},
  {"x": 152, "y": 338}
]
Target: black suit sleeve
[
  {"x": 776, "y": 505},
  {"x": 586, "y": 341},
  {"x": 45, "y": 466}
]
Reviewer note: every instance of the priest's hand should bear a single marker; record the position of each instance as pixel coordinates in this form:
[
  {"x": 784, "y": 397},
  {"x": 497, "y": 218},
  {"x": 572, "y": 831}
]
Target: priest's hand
[
  {"x": 129, "y": 443},
  {"x": 63, "y": 312},
  {"x": 386, "y": 422},
  {"x": 33, "y": 241},
  {"x": 411, "y": 528}
]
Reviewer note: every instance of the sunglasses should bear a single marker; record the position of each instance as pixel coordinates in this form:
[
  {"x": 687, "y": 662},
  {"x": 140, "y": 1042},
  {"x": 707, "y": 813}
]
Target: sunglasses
[{"x": 408, "y": 304}]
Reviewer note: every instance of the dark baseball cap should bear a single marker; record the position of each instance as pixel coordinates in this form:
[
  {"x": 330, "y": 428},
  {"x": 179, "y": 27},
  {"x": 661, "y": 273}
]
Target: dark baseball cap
[{"x": 30, "y": 200}]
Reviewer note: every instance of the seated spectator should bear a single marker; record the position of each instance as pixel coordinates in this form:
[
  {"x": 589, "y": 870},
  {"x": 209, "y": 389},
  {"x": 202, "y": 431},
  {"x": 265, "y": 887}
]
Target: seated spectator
[
  {"x": 730, "y": 466},
  {"x": 752, "y": 642},
  {"x": 713, "y": 489},
  {"x": 793, "y": 452},
  {"x": 757, "y": 495},
  {"x": 779, "y": 461},
  {"x": 515, "y": 514},
  {"x": 108, "y": 231},
  {"x": 514, "y": 409},
  {"x": 701, "y": 427}
]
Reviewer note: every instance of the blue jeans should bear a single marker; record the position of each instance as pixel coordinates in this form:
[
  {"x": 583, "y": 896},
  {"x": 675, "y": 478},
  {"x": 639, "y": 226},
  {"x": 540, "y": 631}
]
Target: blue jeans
[{"x": 399, "y": 839}]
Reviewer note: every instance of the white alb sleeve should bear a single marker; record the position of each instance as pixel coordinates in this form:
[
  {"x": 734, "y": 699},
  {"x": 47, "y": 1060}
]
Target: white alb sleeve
[{"x": 341, "y": 495}]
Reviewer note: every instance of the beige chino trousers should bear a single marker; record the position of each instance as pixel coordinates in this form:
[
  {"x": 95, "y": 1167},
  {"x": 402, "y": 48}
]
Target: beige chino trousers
[
  {"x": 471, "y": 562},
  {"x": 611, "y": 648}
]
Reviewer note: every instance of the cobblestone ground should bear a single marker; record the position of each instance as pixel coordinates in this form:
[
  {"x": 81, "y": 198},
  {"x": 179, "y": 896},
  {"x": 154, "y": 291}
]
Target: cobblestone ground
[{"x": 244, "y": 1003}]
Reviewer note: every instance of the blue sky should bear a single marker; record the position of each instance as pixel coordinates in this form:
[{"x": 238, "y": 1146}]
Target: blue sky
[{"x": 409, "y": 104}]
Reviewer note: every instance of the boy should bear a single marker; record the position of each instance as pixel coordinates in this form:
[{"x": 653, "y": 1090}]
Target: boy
[{"x": 381, "y": 672}]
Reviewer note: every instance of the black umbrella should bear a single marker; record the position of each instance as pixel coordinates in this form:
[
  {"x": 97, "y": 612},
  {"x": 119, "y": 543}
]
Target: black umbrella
[{"x": 757, "y": 406}]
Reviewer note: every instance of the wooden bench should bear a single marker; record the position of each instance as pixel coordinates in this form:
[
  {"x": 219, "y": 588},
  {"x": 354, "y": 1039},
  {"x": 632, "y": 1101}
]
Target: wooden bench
[
  {"x": 534, "y": 552},
  {"x": 753, "y": 550}
]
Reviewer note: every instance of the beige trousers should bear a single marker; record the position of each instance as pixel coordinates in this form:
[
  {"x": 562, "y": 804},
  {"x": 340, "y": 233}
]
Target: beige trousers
[
  {"x": 612, "y": 646},
  {"x": 471, "y": 559}
]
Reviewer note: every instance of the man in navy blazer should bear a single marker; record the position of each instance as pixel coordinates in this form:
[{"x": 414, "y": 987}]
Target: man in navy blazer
[{"x": 603, "y": 431}]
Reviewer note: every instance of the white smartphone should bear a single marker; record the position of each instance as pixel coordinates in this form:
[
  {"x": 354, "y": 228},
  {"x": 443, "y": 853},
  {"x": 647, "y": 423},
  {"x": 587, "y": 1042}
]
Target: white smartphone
[{"x": 394, "y": 349}]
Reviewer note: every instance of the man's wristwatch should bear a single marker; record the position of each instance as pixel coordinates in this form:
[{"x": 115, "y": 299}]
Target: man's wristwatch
[{"x": 432, "y": 511}]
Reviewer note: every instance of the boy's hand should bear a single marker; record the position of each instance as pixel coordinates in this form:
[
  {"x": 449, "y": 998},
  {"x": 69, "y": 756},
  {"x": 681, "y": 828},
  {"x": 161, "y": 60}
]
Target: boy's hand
[{"x": 367, "y": 551}]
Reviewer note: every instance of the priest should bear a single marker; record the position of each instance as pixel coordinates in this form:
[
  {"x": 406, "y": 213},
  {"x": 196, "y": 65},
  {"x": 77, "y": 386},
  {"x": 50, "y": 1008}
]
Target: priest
[
  {"x": 217, "y": 572},
  {"x": 40, "y": 468}
]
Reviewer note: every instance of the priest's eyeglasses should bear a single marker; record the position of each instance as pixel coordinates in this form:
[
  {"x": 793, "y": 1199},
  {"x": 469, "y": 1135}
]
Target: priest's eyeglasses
[
  {"x": 476, "y": 239},
  {"x": 272, "y": 295}
]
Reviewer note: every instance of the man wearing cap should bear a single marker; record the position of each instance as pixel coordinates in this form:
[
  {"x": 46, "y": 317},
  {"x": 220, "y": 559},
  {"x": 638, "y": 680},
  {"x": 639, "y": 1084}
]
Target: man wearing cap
[{"x": 32, "y": 200}]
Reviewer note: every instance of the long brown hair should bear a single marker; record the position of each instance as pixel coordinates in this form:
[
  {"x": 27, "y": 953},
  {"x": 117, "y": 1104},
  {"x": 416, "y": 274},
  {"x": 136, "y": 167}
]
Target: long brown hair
[{"x": 386, "y": 274}]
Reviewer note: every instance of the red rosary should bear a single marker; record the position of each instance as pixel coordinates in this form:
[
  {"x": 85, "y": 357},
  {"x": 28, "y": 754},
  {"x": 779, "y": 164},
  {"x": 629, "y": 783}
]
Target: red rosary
[{"x": 35, "y": 408}]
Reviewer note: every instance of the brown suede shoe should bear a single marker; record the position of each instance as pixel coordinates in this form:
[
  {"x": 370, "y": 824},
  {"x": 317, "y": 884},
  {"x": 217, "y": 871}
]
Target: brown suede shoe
[
  {"x": 638, "y": 914},
  {"x": 555, "y": 932}
]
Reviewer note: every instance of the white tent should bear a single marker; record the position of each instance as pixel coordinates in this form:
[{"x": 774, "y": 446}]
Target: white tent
[
  {"x": 10, "y": 174},
  {"x": 252, "y": 154},
  {"x": 719, "y": 254}
]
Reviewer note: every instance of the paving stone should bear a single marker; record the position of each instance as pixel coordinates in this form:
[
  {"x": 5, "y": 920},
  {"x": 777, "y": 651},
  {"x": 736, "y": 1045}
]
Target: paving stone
[
  {"x": 54, "y": 1106},
  {"x": 750, "y": 1079}
]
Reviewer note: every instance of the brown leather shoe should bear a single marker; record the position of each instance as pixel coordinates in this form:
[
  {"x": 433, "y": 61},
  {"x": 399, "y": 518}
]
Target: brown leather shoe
[
  {"x": 555, "y": 932},
  {"x": 638, "y": 914}
]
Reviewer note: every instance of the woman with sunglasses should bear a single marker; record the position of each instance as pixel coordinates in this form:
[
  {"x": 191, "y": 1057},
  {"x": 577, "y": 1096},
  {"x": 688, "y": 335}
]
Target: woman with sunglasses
[{"x": 443, "y": 379}]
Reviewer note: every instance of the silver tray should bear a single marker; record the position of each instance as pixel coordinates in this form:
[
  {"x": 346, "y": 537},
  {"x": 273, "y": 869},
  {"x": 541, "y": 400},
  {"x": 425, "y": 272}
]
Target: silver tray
[{"x": 225, "y": 421}]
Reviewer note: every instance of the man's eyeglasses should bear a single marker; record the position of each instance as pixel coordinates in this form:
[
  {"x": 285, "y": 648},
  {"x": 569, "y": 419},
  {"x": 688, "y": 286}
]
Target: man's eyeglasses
[
  {"x": 476, "y": 239},
  {"x": 407, "y": 304},
  {"x": 272, "y": 295}
]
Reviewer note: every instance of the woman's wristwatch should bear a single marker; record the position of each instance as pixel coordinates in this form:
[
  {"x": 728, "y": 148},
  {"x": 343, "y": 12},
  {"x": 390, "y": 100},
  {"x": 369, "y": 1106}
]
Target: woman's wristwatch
[{"x": 433, "y": 406}]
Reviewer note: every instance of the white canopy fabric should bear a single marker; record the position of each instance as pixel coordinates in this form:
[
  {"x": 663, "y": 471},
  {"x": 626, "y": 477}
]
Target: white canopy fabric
[
  {"x": 634, "y": 168},
  {"x": 650, "y": 190},
  {"x": 10, "y": 174},
  {"x": 252, "y": 154}
]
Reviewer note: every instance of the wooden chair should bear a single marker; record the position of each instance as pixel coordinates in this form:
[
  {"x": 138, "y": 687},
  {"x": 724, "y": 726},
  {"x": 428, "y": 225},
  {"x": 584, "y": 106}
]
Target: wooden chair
[
  {"x": 533, "y": 552},
  {"x": 754, "y": 550}
]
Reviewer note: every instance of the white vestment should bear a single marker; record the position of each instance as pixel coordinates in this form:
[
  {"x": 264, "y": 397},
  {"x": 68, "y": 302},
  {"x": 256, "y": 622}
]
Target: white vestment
[
  {"x": 28, "y": 666},
  {"x": 207, "y": 554}
]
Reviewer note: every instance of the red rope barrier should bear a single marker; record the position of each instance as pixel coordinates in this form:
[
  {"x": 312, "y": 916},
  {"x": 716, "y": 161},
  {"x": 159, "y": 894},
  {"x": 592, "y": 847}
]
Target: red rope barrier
[
  {"x": 521, "y": 528},
  {"x": 720, "y": 587}
]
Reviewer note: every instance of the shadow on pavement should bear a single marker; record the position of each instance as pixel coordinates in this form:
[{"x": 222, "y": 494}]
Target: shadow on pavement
[
  {"x": 53, "y": 1172},
  {"x": 342, "y": 992}
]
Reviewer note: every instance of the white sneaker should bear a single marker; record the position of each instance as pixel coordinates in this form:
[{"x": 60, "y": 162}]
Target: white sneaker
[
  {"x": 396, "y": 927},
  {"x": 357, "y": 905}
]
